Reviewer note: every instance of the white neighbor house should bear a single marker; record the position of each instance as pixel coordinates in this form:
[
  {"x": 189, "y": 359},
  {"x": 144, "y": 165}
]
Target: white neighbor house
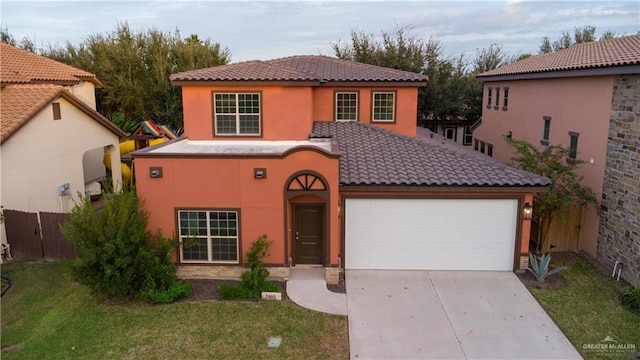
[{"x": 52, "y": 140}]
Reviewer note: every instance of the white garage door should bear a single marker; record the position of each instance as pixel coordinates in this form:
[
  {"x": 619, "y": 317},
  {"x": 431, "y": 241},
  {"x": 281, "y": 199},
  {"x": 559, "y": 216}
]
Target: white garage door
[{"x": 431, "y": 234}]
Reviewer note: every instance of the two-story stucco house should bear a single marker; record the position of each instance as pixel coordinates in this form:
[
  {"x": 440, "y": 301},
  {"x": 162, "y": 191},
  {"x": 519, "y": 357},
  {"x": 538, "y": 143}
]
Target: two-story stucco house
[
  {"x": 585, "y": 98},
  {"x": 52, "y": 139},
  {"x": 321, "y": 155}
]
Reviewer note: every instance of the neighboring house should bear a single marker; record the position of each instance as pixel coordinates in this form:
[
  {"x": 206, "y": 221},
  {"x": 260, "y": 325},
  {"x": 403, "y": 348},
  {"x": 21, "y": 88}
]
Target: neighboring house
[
  {"x": 459, "y": 131},
  {"x": 585, "y": 98},
  {"x": 52, "y": 139},
  {"x": 321, "y": 155}
]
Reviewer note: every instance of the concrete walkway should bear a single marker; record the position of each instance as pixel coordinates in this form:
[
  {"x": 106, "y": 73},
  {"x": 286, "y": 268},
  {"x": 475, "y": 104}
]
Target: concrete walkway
[{"x": 308, "y": 288}]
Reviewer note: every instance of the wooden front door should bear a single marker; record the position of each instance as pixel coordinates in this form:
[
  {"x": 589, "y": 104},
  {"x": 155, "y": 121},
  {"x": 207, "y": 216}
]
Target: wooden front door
[{"x": 308, "y": 234}]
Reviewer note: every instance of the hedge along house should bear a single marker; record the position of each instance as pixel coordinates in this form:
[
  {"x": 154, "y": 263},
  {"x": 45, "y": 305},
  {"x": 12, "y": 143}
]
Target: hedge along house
[
  {"x": 585, "y": 98},
  {"x": 321, "y": 155}
]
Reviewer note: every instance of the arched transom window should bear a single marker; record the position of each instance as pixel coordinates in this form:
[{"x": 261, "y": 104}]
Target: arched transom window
[{"x": 307, "y": 182}]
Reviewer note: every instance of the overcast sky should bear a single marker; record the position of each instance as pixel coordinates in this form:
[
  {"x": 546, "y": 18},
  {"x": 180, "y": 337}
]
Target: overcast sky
[{"x": 271, "y": 29}]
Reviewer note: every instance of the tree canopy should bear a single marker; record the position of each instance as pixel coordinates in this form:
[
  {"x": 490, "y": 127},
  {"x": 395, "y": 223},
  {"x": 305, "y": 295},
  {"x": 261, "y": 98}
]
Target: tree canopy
[
  {"x": 452, "y": 93},
  {"x": 582, "y": 34},
  {"x": 566, "y": 188},
  {"x": 134, "y": 67}
]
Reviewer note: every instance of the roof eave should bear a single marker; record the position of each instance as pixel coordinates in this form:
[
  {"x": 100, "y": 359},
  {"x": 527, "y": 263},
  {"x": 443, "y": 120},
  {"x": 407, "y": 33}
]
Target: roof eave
[
  {"x": 94, "y": 114},
  {"x": 603, "y": 71},
  {"x": 446, "y": 188},
  {"x": 245, "y": 82}
]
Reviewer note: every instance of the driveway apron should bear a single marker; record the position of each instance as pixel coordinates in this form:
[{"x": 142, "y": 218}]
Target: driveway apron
[{"x": 398, "y": 314}]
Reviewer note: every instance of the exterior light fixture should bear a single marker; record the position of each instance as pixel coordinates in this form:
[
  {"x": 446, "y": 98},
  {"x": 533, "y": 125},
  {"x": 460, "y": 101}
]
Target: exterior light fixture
[
  {"x": 527, "y": 211},
  {"x": 509, "y": 134},
  {"x": 259, "y": 173}
]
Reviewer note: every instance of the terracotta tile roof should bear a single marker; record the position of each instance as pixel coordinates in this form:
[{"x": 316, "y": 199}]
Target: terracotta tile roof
[
  {"x": 623, "y": 51},
  {"x": 314, "y": 68},
  {"x": 19, "y": 66},
  {"x": 374, "y": 156},
  {"x": 21, "y": 102}
]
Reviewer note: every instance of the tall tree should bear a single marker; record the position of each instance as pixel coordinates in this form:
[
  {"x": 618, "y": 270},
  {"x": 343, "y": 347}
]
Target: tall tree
[
  {"x": 446, "y": 95},
  {"x": 581, "y": 35},
  {"x": 566, "y": 188},
  {"x": 135, "y": 66}
]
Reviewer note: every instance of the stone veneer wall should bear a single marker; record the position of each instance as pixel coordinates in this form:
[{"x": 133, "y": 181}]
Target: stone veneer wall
[
  {"x": 227, "y": 272},
  {"x": 619, "y": 234}
]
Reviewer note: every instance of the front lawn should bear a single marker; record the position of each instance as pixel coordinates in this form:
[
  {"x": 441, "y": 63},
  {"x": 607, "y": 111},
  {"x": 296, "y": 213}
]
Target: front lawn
[
  {"x": 46, "y": 315},
  {"x": 588, "y": 311}
]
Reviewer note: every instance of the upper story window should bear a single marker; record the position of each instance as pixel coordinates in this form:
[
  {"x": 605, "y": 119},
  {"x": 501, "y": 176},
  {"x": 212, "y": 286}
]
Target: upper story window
[
  {"x": 505, "y": 99},
  {"x": 347, "y": 106},
  {"x": 546, "y": 130},
  {"x": 57, "y": 114},
  {"x": 208, "y": 236},
  {"x": 237, "y": 113},
  {"x": 490, "y": 94},
  {"x": 573, "y": 144},
  {"x": 384, "y": 106},
  {"x": 497, "y": 105},
  {"x": 490, "y": 149}
]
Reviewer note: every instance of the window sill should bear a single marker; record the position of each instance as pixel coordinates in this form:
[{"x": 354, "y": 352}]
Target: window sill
[
  {"x": 544, "y": 142},
  {"x": 207, "y": 263},
  {"x": 488, "y": 106},
  {"x": 383, "y": 121},
  {"x": 496, "y": 107},
  {"x": 504, "y": 108}
]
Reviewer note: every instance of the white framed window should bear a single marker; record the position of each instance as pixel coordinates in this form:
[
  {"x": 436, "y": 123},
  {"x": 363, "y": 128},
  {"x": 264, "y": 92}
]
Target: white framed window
[
  {"x": 346, "y": 106},
  {"x": 237, "y": 113},
  {"x": 468, "y": 136},
  {"x": 209, "y": 236},
  {"x": 383, "y": 106}
]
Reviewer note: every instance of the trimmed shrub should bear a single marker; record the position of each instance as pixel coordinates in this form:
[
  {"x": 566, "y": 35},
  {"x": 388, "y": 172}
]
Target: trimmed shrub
[
  {"x": 120, "y": 258},
  {"x": 253, "y": 281}
]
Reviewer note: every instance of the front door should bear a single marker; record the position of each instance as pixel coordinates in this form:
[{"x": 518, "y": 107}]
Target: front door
[{"x": 308, "y": 226}]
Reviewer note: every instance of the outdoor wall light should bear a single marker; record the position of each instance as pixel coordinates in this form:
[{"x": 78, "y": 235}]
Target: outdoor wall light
[
  {"x": 260, "y": 173},
  {"x": 155, "y": 172},
  {"x": 527, "y": 211},
  {"x": 509, "y": 134}
]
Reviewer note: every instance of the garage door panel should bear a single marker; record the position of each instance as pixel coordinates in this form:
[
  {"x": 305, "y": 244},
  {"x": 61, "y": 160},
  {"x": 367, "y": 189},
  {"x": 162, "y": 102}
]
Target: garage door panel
[{"x": 456, "y": 234}]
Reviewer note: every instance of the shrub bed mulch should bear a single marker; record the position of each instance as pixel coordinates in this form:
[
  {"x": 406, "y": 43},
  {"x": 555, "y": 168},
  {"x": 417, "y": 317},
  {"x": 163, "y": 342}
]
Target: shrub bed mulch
[
  {"x": 208, "y": 289},
  {"x": 553, "y": 282}
]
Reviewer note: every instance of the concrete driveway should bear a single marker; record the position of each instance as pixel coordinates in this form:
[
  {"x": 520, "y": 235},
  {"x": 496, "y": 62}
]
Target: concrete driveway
[{"x": 395, "y": 314}]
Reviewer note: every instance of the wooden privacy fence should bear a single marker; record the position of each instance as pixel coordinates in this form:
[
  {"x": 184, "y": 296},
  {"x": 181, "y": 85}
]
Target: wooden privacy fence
[
  {"x": 37, "y": 235},
  {"x": 565, "y": 235}
]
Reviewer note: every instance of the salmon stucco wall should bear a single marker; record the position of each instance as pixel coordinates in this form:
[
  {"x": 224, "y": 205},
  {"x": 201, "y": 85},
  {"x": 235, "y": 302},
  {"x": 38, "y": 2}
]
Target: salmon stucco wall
[
  {"x": 581, "y": 105},
  {"x": 406, "y": 106},
  {"x": 229, "y": 183},
  {"x": 286, "y": 111}
]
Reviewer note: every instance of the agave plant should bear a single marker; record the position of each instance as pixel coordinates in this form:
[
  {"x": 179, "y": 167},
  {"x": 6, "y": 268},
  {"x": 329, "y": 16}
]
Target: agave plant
[{"x": 540, "y": 269}]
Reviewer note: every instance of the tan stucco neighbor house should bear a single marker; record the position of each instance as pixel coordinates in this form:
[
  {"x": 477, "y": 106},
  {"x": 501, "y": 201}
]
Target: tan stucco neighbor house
[
  {"x": 52, "y": 140},
  {"x": 322, "y": 155},
  {"x": 585, "y": 98}
]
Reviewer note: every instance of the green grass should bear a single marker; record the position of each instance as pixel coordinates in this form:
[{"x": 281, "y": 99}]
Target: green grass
[
  {"x": 49, "y": 316},
  {"x": 588, "y": 310}
]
